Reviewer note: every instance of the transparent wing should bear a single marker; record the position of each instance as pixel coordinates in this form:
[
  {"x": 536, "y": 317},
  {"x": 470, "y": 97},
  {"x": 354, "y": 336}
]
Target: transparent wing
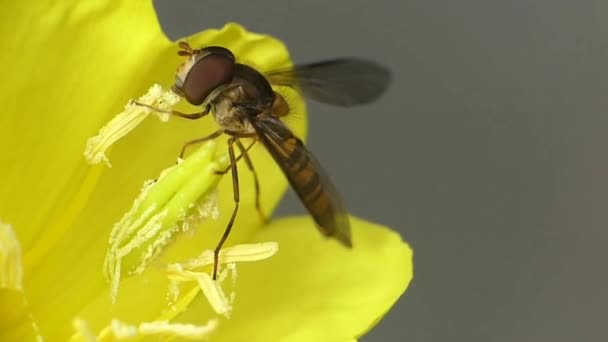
[
  {"x": 306, "y": 176},
  {"x": 343, "y": 82}
]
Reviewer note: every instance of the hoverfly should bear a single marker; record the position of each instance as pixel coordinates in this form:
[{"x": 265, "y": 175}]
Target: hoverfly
[{"x": 244, "y": 105}]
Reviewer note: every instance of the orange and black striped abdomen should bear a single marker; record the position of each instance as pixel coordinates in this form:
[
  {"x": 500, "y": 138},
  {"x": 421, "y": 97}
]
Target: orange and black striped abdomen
[{"x": 306, "y": 176}]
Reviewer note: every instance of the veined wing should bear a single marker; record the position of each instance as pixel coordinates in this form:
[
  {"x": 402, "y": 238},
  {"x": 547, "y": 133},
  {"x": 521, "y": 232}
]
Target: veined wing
[
  {"x": 343, "y": 82},
  {"x": 306, "y": 177}
]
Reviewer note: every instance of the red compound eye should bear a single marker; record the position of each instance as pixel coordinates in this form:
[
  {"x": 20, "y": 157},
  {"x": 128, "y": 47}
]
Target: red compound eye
[{"x": 213, "y": 68}]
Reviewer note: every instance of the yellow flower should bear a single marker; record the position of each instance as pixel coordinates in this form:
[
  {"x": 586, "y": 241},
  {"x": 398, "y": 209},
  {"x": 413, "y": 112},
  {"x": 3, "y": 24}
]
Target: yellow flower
[{"x": 69, "y": 67}]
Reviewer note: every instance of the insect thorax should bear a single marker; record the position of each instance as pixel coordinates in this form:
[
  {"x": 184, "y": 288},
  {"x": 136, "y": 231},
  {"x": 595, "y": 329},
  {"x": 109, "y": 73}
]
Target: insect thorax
[
  {"x": 247, "y": 96},
  {"x": 231, "y": 116}
]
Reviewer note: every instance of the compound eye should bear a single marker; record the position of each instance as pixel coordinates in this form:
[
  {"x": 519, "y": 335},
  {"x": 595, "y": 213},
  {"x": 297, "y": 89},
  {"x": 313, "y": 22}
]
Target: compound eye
[{"x": 214, "y": 67}]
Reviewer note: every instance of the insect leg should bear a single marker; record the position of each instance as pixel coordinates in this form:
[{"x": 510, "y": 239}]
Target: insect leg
[
  {"x": 199, "y": 141},
  {"x": 256, "y": 182},
  {"x": 191, "y": 116},
  {"x": 221, "y": 172},
  {"x": 186, "y": 49},
  {"x": 235, "y": 188}
]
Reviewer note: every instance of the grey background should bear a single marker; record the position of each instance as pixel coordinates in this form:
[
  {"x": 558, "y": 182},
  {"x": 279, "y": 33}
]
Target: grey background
[{"x": 488, "y": 153}]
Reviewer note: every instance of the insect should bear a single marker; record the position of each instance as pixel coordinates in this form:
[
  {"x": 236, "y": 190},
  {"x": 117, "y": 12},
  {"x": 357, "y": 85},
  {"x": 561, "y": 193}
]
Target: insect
[{"x": 244, "y": 105}]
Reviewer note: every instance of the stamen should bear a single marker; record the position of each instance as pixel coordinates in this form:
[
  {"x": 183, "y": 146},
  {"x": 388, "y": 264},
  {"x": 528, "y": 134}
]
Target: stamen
[
  {"x": 186, "y": 272},
  {"x": 123, "y": 330},
  {"x": 11, "y": 267},
  {"x": 188, "y": 331},
  {"x": 232, "y": 254},
  {"x": 83, "y": 330},
  {"x": 127, "y": 120},
  {"x": 213, "y": 292},
  {"x": 11, "y": 275},
  {"x": 180, "y": 199}
]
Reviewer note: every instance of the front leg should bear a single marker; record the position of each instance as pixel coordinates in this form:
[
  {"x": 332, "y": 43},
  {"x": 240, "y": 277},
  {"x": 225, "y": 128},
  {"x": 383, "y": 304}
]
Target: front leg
[
  {"x": 199, "y": 141},
  {"x": 192, "y": 116}
]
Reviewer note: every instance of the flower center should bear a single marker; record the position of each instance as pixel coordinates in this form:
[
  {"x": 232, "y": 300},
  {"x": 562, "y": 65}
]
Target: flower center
[{"x": 179, "y": 199}]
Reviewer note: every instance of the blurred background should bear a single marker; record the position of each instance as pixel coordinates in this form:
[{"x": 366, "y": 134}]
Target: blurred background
[{"x": 488, "y": 153}]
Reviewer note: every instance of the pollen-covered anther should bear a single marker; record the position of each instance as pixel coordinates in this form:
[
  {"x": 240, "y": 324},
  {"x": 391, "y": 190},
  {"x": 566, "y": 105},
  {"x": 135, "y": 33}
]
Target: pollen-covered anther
[
  {"x": 228, "y": 257},
  {"x": 127, "y": 120},
  {"x": 118, "y": 330},
  {"x": 179, "y": 200},
  {"x": 122, "y": 330}
]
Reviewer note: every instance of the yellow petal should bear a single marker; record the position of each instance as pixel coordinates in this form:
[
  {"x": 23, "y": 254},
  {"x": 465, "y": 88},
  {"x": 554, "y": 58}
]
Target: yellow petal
[
  {"x": 16, "y": 320},
  {"x": 314, "y": 289},
  {"x": 69, "y": 72},
  {"x": 66, "y": 73}
]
